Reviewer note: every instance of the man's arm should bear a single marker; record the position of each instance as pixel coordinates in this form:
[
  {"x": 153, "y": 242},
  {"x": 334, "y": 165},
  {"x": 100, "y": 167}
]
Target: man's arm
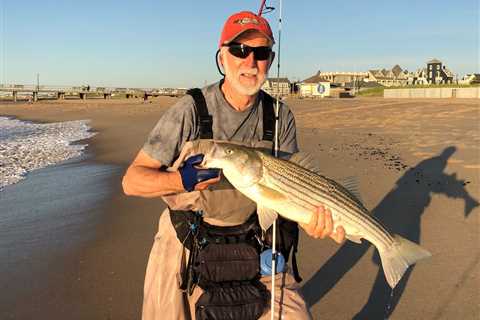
[{"x": 144, "y": 178}]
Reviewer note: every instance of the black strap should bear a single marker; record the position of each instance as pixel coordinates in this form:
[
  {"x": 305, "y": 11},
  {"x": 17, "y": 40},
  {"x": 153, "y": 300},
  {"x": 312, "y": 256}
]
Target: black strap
[
  {"x": 268, "y": 117},
  {"x": 204, "y": 119},
  {"x": 296, "y": 274}
]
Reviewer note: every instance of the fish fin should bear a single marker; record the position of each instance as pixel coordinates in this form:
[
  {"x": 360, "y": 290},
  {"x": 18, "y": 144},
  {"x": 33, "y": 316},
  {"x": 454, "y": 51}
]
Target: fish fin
[
  {"x": 397, "y": 258},
  {"x": 354, "y": 238},
  {"x": 266, "y": 217},
  {"x": 352, "y": 185},
  {"x": 306, "y": 160},
  {"x": 269, "y": 193}
]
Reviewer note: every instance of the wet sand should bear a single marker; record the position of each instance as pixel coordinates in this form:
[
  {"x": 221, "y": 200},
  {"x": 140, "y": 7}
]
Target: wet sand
[{"x": 417, "y": 163}]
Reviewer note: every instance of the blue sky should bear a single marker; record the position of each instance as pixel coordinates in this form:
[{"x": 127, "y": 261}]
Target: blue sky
[{"x": 160, "y": 43}]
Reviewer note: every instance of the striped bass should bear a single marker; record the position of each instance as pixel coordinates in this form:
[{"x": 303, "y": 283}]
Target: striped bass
[{"x": 287, "y": 188}]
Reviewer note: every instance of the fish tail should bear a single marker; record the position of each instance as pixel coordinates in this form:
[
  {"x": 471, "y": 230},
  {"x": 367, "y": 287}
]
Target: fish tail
[{"x": 397, "y": 258}]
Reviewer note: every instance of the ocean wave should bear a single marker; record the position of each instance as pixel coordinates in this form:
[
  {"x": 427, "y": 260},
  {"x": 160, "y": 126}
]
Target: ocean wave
[{"x": 27, "y": 146}]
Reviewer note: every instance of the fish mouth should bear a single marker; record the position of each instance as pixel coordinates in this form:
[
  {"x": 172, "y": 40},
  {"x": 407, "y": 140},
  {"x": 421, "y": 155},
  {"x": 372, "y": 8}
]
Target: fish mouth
[
  {"x": 209, "y": 159},
  {"x": 214, "y": 153}
]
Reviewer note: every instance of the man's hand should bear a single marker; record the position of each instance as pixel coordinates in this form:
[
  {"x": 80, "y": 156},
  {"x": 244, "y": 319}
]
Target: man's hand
[
  {"x": 194, "y": 178},
  {"x": 321, "y": 226}
]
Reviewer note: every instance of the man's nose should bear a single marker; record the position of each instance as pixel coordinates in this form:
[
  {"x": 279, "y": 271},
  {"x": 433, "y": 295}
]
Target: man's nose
[{"x": 250, "y": 60}]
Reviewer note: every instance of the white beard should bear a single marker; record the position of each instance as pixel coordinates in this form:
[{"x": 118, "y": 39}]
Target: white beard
[{"x": 234, "y": 79}]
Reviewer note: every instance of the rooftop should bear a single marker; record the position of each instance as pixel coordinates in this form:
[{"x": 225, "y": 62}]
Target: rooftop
[{"x": 434, "y": 61}]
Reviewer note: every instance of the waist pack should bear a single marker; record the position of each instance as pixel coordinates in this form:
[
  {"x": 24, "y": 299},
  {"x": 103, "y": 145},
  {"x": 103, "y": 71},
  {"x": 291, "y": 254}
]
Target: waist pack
[
  {"x": 225, "y": 263},
  {"x": 229, "y": 276},
  {"x": 235, "y": 301}
]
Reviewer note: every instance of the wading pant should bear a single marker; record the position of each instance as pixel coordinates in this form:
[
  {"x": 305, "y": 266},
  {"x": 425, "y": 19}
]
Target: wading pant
[{"x": 163, "y": 300}]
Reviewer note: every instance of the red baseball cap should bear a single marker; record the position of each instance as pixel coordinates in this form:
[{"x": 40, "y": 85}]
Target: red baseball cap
[{"x": 240, "y": 22}]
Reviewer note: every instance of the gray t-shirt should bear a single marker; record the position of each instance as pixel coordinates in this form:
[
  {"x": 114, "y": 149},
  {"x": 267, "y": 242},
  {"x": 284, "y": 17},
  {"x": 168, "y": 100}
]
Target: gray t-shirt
[{"x": 179, "y": 125}]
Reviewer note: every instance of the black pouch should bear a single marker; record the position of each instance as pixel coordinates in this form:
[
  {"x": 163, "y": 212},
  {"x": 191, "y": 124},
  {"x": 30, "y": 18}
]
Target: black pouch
[
  {"x": 233, "y": 301},
  {"x": 227, "y": 262}
]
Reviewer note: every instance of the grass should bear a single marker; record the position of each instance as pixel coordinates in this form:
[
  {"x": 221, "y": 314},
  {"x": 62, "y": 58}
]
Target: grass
[
  {"x": 372, "y": 92},
  {"x": 436, "y": 86},
  {"x": 378, "y": 91}
]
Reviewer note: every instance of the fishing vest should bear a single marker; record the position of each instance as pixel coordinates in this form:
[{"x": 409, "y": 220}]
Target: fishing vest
[{"x": 225, "y": 261}]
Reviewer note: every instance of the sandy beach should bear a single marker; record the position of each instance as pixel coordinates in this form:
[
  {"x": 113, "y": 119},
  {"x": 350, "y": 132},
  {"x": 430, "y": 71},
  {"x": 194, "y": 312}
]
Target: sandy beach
[{"x": 417, "y": 163}]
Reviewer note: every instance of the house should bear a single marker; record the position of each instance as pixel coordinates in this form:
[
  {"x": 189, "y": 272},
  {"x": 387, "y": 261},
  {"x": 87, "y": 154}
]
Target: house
[
  {"x": 315, "y": 86},
  {"x": 473, "y": 78},
  {"x": 434, "y": 73},
  {"x": 437, "y": 73},
  {"x": 340, "y": 78},
  {"x": 274, "y": 86},
  {"x": 388, "y": 78},
  {"x": 419, "y": 77}
]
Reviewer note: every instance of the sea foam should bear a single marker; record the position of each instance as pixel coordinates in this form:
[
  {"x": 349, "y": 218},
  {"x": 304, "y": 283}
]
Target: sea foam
[{"x": 26, "y": 146}]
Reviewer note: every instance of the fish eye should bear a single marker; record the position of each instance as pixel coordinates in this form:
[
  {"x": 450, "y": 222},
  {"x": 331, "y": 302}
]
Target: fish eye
[{"x": 229, "y": 151}]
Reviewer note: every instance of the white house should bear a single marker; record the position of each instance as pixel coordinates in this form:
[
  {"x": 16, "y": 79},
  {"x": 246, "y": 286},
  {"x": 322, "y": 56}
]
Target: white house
[{"x": 315, "y": 86}]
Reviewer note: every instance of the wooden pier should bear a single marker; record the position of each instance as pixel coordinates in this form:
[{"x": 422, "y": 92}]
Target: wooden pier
[{"x": 33, "y": 93}]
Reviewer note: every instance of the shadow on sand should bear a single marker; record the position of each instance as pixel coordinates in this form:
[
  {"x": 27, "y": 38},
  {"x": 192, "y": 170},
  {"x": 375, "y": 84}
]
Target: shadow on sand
[{"x": 400, "y": 211}]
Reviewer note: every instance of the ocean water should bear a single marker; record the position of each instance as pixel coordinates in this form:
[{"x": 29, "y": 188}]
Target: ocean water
[
  {"x": 27, "y": 146},
  {"x": 51, "y": 214},
  {"x": 53, "y": 198}
]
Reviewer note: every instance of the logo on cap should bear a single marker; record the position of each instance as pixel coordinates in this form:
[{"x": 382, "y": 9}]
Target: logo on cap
[{"x": 246, "y": 21}]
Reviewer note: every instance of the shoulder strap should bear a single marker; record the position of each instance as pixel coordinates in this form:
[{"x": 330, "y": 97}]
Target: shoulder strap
[
  {"x": 268, "y": 117},
  {"x": 296, "y": 273},
  {"x": 204, "y": 119}
]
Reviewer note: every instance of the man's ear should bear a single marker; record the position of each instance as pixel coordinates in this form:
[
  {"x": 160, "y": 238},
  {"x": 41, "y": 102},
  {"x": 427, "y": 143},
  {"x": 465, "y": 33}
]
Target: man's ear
[
  {"x": 219, "y": 62},
  {"x": 220, "y": 58}
]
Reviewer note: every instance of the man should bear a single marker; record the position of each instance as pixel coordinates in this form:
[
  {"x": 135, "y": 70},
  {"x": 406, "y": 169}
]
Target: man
[{"x": 236, "y": 105}]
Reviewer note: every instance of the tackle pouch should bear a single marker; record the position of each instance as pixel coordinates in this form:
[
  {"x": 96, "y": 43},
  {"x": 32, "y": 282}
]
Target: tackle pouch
[
  {"x": 232, "y": 301},
  {"x": 227, "y": 262}
]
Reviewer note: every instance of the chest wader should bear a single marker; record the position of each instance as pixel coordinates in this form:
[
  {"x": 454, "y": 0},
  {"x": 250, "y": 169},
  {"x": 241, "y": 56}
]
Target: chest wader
[{"x": 225, "y": 261}]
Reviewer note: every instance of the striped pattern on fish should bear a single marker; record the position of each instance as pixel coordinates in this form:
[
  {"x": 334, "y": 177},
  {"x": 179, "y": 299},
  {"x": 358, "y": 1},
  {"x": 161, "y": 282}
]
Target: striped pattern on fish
[
  {"x": 311, "y": 190},
  {"x": 287, "y": 188}
]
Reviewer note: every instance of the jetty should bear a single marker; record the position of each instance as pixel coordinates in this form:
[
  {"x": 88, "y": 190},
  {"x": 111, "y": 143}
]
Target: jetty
[{"x": 34, "y": 92}]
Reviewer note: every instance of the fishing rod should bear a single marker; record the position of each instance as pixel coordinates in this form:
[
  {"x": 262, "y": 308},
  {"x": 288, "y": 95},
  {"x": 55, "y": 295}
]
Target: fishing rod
[{"x": 264, "y": 9}]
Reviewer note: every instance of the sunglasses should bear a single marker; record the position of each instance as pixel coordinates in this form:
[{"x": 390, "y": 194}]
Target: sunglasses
[{"x": 242, "y": 51}]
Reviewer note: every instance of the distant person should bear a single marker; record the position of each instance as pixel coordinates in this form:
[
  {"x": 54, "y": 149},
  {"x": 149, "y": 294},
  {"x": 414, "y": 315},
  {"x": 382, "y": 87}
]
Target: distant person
[{"x": 202, "y": 266}]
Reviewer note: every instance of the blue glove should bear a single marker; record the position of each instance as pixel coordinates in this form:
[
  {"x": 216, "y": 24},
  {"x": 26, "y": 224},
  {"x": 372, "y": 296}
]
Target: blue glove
[{"x": 191, "y": 175}]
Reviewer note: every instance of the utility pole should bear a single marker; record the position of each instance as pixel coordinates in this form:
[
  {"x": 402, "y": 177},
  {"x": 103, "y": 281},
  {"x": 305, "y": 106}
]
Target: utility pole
[
  {"x": 4, "y": 80},
  {"x": 38, "y": 81}
]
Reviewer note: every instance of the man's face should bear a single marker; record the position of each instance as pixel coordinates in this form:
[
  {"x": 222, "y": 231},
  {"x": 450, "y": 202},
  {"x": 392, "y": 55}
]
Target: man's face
[{"x": 246, "y": 75}]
